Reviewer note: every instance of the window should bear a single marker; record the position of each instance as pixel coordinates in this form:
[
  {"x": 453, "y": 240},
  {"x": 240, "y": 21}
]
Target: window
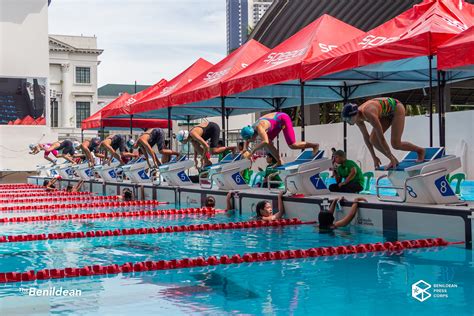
[
  {"x": 83, "y": 110},
  {"x": 83, "y": 75},
  {"x": 54, "y": 113}
]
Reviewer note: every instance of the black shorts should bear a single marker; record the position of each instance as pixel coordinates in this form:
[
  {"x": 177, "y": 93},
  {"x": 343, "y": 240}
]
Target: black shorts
[
  {"x": 66, "y": 148},
  {"x": 157, "y": 137},
  {"x": 118, "y": 142},
  {"x": 211, "y": 133}
]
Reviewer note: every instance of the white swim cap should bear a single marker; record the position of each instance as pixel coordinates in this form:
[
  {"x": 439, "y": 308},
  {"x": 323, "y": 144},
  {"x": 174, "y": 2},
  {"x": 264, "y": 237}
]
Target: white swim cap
[
  {"x": 76, "y": 144},
  {"x": 182, "y": 135},
  {"x": 130, "y": 143},
  {"x": 32, "y": 146}
]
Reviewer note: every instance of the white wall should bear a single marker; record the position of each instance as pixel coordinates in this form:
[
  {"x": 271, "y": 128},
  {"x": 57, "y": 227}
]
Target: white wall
[
  {"x": 14, "y": 141},
  {"x": 459, "y": 139},
  {"x": 24, "y": 38}
]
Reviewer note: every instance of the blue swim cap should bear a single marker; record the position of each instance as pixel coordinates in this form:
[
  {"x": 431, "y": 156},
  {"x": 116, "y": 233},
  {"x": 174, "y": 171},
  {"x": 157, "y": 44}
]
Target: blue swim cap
[
  {"x": 350, "y": 109},
  {"x": 247, "y": 132}
]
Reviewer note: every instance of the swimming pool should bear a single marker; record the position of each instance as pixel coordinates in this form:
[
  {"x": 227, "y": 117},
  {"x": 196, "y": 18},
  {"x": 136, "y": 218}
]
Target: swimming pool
[{"x": 364, "y": 284}]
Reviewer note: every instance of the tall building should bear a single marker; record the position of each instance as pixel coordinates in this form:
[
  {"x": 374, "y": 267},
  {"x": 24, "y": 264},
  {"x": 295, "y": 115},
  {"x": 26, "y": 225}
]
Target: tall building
[
  {"x": 236, "y": 23},
  {"x": 257, "y": 9},
  {"x": 73, "y": 62}
]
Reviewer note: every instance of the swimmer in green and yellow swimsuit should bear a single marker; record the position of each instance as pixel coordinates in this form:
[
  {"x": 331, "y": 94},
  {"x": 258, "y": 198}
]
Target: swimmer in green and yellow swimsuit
[{"x": 381, "y": 113}]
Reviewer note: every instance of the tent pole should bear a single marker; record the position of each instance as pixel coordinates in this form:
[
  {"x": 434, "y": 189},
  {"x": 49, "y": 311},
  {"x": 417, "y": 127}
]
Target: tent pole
[
  {"x": 302, "y": 111},
  {"x": 227, "y": 126},
  {"x": 188, "y": 121},
  {"x": 131, "y": 125},
  {"x": 346, "y": 99},
  {"x": 169, "y": 125},
  {"x": 430, "y": 100},
  {"x": 82, "y": 135},
  {"x": 102, "y": 129},
  {"x": 441, "y": 114},
  {"x": 223, "y": 119}
]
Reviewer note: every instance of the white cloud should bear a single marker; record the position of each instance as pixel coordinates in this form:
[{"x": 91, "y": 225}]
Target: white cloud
[{"x": 144, "y": 40}]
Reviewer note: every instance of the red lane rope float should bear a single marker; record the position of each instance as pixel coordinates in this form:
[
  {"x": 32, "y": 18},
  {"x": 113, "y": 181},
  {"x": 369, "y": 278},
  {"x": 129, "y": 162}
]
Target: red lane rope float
[
  {"x": 19, "y": 185},
  {"x": 153, "y": 230},
  {"x": 53, "y": 207},
  {"x": 114, "y": 269},
  {"x": 45, "y": 193},
  {"x": 52, "y": 199},
  {"x": 109, "y": 215}
]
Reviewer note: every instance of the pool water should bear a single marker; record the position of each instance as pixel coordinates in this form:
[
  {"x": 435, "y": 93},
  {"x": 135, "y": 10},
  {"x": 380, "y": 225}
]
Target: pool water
[
  {"x": 373, "y": 283},
  {"x": 361, "y": 284}
]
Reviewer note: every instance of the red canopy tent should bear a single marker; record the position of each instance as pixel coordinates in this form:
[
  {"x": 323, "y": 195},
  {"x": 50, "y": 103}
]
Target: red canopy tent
[
  {"x": 416, "y": 32},
  {"x": 283, "y": 62},
  {"x": 27, "y": 120},
  {"x": 458, "y": 52},
  {"x": 160, "y": 98},
  {"x": 95, "y": 120},
  {"x": 208, "y": 84},
  {"x": 125, "y": 108}
]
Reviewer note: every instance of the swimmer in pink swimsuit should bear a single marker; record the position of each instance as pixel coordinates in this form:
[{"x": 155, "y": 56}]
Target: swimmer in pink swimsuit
[{"x": 268, "y": 127}]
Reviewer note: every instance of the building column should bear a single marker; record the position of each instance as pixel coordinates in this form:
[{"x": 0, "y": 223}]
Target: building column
[{"x": 65, "y": 111}]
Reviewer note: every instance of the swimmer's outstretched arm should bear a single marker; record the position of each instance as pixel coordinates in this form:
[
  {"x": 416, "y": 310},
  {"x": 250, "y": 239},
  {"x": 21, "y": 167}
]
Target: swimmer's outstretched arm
[
  {"x": 349, "y": 217},
  {"x": 228, "y": 200},
  {"x": 281, "y": 207}
]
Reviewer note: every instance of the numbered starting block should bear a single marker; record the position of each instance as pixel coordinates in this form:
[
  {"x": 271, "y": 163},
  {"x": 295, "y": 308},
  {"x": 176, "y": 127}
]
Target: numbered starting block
[
  {"x": 422, "y": 182},
  {"x": 109, "y": 173},
  {"x": 302, "y": 176},
  {"x": 136, "y": 171},
  {"x": 226, "y": 174},
  {"x": 84, "y": 172},
  {"x": 47, "y": 170},
  {"x": 65, "y": 170},
  {"x": 174, "y": 172}
]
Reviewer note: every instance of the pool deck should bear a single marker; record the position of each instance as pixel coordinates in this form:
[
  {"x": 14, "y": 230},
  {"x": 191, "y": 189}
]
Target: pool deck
[{"x": 454, "y": 222}]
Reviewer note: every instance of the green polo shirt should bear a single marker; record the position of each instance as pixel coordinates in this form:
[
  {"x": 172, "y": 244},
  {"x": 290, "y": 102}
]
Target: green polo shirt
[{"x": 344, "y": 170}]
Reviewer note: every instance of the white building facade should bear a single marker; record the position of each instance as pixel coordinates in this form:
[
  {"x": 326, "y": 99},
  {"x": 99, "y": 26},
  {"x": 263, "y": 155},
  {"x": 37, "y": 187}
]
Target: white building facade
[
  {"x": 257, "y": 9},
  {"x": 73, "y": 62}
]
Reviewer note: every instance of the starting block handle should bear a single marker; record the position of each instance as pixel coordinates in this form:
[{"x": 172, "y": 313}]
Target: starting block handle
[
  {"x": 404, "y": 188},
  {"x": 204, "y": 185}
]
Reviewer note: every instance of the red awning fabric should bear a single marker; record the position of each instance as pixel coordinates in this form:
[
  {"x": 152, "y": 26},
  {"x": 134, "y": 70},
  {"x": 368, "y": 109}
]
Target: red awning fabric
[
  {"x": 283, "y": 63},
  {"x": 124, "y": 108},
  {"x": 27, "y": 120},
  {"x": 416, "y": 32},
  {"x": 41, "y": 120},
  {"x": 94, "y": 121},
  {"x": 208, "y": 84},
  {"x": 136, "y": 123},
  {"x": 457, "y": 52},
  {"x": 159, "y": 99}
]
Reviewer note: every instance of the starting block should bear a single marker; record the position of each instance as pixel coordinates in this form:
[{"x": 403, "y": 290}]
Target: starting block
[
  {"x": 226, "y": 174},
  {"x": 135, "y": 170},
  {"x": 302, "y": 176},
  {"x": 84, "y": 172},
  {"x": 65, "y": 170},
  {"x": 109, "y": 173},
  {"x": 422, "y": 182},
  {"x": 47, "y": 170},
  {"x": 174, "y": 172}
]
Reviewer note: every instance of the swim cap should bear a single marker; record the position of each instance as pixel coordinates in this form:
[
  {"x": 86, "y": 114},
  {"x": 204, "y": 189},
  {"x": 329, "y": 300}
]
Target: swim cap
[
  {"x": 76, "y": 144},
  {"x": 32, "y": 146},
  {"x": 182, "y": 135},
  {"x": 130, "y": 143},
  {"x": 350, "y": 109},
  {"x": 247, "y": 132}
]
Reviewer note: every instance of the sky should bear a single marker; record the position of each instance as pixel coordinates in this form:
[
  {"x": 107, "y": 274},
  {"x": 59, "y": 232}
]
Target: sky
[{"x": 144, "y": 40}]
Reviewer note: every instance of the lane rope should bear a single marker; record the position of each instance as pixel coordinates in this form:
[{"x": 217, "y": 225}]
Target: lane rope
[
  {"x": 114, "y": 269},
  {"x": 55, "y": 207}
]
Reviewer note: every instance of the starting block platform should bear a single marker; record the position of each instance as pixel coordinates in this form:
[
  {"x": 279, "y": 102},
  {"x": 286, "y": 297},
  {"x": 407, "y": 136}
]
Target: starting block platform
[
  {"x": 226, "y": 174},
  {"x": 302, "y": 175},
  {"x": 109, "y": 173},
  {"x": 136, "y": 171},
  {"x": 84, "y": 172},
  {"x": 174, "y": 172},
  {"x": 422, "y": 182}
]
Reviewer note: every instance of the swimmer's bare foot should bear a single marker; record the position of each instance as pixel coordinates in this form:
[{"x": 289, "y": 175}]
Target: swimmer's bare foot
[
  {"x": 421, "y": 155},
  {"x": 393, "y": 164},
  {"x": 315, "y": 149}
]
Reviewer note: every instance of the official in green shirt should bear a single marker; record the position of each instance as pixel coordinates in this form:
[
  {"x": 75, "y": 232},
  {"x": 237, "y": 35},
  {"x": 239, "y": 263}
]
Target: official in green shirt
[{"x": 349, "y": 177}]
